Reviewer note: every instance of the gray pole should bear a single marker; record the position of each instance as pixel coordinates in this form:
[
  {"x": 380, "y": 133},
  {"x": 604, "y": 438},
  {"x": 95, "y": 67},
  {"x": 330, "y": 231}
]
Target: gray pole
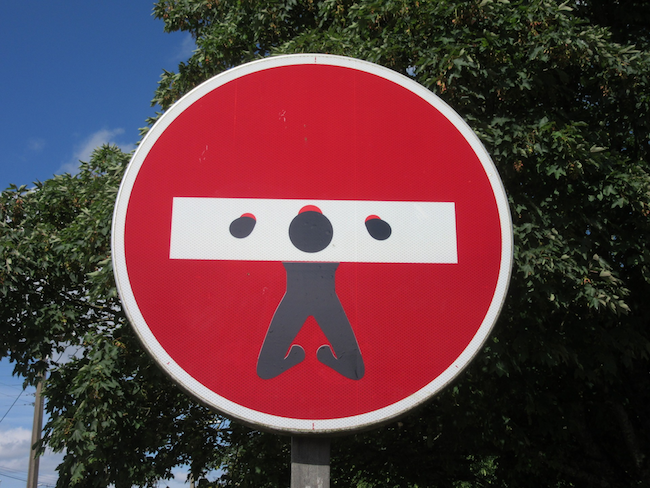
[
  {"x": 310, "y": 462},
  {"x": 37, "y": 427}
]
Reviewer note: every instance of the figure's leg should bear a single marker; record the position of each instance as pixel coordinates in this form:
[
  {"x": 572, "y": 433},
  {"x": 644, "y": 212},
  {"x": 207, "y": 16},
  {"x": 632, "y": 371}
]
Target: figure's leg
[
  {"x": 285, "y": 325},
  {"x": 335, "y": 325}
]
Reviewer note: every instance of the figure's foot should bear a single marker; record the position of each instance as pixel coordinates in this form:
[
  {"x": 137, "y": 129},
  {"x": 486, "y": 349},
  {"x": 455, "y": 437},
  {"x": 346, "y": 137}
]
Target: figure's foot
[
  {"x": 296, "y": 355},
  {"x": 267, "y": 369},
  {"x": 349, "y": 365}
]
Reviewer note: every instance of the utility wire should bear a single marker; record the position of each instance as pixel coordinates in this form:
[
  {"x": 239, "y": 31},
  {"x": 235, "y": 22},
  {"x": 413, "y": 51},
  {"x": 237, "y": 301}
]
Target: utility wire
[
  {"x": 12, "y": 477},
  {"x": 21, "y": 475},
  {"x": 12, "y": 405},
  {"x": 23, "y": 479},
  {"x": 5, "y": 471}
]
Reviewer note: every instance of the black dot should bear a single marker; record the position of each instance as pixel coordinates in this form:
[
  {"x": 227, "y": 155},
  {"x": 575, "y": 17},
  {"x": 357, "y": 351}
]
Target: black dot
[
  {"x": 378, "y": 229},
  {"x": 310, "y": 231},
  {"x": 242, "y": 227}
]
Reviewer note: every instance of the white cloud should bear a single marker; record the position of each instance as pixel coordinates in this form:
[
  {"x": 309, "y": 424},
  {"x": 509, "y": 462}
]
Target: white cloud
[
  {"x": 35, "y": 144},
  {"x": 14, "y": 459},
  {"x": 88, "y": 145},
  {"x": 184, "y": 50},
  {"x": 84, "y": 149},
  {"x": 179, "y": 480},
  {"x": 14, "y": 444}
]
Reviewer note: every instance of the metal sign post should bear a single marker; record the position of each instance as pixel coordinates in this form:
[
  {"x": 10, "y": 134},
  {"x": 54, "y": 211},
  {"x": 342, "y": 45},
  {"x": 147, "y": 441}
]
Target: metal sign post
[{"x": 310, "y": 462}]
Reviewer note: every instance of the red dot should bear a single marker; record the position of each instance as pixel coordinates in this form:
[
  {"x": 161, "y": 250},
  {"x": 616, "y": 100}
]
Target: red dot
[
  {"x": 310, "y": 208},
  {"x": 249, "y": 215},
  {"x": 372, "y": 217}
]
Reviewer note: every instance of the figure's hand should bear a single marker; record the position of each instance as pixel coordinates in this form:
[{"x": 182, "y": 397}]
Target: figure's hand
[
  {"x": 378, "y": 228},
  {"x": 243, "y": 226}
]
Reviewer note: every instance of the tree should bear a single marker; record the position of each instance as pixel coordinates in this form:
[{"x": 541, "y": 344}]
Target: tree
[
  {"x": 560, "y": 393},
  {"x": 628, "y": 20},
  {"x": 116, "y": 415}
]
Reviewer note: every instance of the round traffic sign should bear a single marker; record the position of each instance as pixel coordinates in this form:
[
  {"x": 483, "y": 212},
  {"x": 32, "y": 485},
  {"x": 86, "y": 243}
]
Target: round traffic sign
[{"x": 312, "y": 243}]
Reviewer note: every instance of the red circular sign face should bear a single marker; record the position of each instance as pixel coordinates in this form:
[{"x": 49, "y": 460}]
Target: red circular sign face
[{"x": 312, "y": 243}]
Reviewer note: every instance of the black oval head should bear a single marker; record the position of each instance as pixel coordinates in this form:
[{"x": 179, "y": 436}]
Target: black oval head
[
  {"x": 310, "y": 231},
  {"x": 243, "y": 226},
  {"x": 378, "y": 228}
]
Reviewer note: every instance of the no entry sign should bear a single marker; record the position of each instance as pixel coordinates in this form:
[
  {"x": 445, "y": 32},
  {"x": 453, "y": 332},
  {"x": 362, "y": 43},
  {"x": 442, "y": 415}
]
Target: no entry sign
[{"x": 312, "y": 243}]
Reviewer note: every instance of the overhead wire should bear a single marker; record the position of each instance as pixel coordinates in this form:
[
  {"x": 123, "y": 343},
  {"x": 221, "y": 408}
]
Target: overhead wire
[
  {"x": 12, "y": 405},
  {"x": 21, "y": 475}
]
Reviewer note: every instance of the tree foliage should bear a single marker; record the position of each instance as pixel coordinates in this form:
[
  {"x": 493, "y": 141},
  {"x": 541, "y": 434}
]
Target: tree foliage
[
  {"x": 558, "y": 397},
  {"x": 628, "y": 20}
]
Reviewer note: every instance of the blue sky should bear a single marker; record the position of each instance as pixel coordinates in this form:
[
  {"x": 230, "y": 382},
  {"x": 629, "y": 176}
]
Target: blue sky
[{"x": 74, "y": 74}]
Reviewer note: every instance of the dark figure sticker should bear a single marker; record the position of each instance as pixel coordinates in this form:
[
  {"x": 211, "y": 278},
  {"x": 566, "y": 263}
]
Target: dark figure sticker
[
  {"x": 243, "y": 226},
  {"x": 311, "y": 291}
]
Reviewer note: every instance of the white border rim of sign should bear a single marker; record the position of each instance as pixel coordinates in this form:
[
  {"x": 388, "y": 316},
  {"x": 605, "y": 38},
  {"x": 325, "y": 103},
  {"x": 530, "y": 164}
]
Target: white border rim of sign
[{"x": 273, "y": 422}]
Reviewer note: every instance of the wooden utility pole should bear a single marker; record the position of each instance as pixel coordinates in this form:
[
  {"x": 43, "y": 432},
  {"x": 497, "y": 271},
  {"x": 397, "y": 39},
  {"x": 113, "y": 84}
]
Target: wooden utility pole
[{"x": 37, "y": 426}]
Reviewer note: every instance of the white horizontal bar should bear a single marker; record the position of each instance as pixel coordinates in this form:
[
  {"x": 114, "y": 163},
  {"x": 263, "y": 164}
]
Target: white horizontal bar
[{"x": 422, "y": 232}]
